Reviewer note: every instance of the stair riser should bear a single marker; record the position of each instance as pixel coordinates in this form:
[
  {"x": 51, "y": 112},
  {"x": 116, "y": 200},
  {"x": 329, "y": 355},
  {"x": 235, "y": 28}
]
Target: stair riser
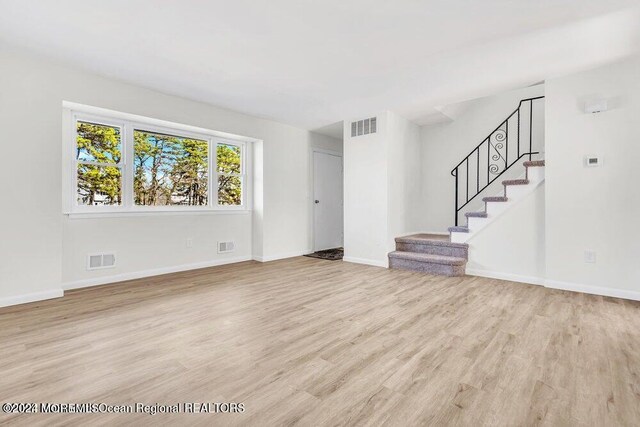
[
  {"x": 516, "y": 191},
  {"x": 427, "y": 267},
  {"x": 535, "y": 173},
  {"x": 432, "y": 249},
  {"x": 495, "y": 208},
  {"x": 476, "y": 223},
  {"x": 459, "y": 237}
]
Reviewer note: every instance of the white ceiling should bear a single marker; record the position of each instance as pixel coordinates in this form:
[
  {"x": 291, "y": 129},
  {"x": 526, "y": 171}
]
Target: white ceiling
[{"x": 314, "y": 63}]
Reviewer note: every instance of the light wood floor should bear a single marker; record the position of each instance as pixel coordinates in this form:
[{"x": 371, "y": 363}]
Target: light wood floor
[{"x": 312, "y": 342}]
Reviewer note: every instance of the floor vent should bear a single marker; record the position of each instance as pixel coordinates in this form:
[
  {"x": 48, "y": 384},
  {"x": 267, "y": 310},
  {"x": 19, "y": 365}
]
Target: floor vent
[
  {"x": 364, "y": 127},
  {"x": 99, "y": 261},
  {"x": 224, "y": 247}
]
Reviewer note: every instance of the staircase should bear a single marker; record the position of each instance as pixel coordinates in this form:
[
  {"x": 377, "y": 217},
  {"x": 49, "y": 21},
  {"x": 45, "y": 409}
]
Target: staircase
[
  {"x": 494, "y": 206},
  {"x": 430, "y": 253},
  {"x": 503, "y": 148},
  {"x": 448, "y": 255}
]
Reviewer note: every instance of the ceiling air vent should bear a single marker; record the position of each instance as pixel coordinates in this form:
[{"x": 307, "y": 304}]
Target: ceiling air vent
[{"x": 364, "y": 127}]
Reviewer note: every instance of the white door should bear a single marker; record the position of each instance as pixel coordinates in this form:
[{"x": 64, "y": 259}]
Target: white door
[{"x": 327, "y": 195}]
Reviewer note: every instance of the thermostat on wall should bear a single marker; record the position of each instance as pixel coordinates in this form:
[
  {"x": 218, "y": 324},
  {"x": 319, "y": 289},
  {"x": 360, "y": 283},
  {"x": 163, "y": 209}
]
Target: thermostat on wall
[{"x": 592, "y": 161}]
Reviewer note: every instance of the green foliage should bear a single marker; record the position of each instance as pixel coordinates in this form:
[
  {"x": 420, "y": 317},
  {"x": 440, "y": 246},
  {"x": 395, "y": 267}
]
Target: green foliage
[
  {"x": 168, "y": 170},
  {"x": 98, "y": 184},
  {"x": 229, "y": 186}
]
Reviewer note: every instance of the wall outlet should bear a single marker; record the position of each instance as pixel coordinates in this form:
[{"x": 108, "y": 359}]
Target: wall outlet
[
  {"x": 590, "y": 257},
  {"x": 592, "y": 161},
  {"x": 189, "y": 242}
]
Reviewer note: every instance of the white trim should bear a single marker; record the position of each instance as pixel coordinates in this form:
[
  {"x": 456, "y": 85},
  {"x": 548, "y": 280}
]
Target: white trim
[
  {"x": 594, "y": 290},
  {"x": 281, "y": 256},
  {"x": 31, "y": 297},
  {"x": 88, "y": 109},
  {"x": 105, "y": 280},
  {"x": 128, "y": 124},
  {"x": 168, "y": 212},
  {"x": 365, "y": 261},
  {"x": 555, "y": 284},
  {"x": 325, "y": 151},
  {"x": 506, "y": 276}
]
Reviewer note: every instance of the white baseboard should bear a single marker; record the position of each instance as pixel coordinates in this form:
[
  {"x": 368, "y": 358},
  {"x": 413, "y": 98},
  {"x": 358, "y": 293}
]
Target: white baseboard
[
  {"x": 365, "y": 261},
  {"x": 506, "y": 276},
  {"x": 555, "y": 284},
  {"x": 32, "y": 297},
  {"x": 104, "y": 280},
  {"x": 281, "y": 256},
  {"x": 594, "y": 290}
]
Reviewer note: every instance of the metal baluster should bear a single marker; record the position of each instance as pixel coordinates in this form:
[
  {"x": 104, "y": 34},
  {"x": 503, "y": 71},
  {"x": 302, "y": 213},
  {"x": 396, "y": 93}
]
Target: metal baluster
[
  {"x": 467, "y": 176},
  {"x": 478, "y": 170},
  {"x": 506, "y": 145},
  {"x": 530, "y": 128}
]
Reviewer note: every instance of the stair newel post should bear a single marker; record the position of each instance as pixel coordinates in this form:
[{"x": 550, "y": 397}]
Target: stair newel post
[{"x": 456, "y": 212}]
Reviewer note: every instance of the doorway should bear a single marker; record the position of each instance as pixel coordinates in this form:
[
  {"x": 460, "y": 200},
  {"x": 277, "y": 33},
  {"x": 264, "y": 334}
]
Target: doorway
[{"x": 328, "y": 227}]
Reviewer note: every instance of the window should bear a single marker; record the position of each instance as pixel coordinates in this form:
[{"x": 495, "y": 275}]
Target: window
[
  {"x": 133, "y": 166},
  {"x": 170, "y": 170},
  {"x": 98, "y": 164},
  {"x": 229, "y": 161}
]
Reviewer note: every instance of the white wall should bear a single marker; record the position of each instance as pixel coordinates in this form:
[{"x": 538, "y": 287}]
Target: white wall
[
  {"x": 40, "y": 249},
  {"x": 382, "y": 188},
  {"x": 594, "y": 208},
  {"x": 365, "y": 195},
  {"x": 445, "y": 145},
  {"x": 513, "y": 246},
  {"x": 404, "y": 178}
]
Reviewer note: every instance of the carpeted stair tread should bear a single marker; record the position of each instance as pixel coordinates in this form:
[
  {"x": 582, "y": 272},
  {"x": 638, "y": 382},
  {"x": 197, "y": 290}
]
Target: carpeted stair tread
[
  {"x": 515, "y": 182},
  {"x": 495, "y": 199},
  {"x": 428, "y": 258},
  {"x": 476, "y": 214},
  {"x": 429, "y": 239},
  {"x": 458, "y": 229},
  {"x": 534, "y": 163}
]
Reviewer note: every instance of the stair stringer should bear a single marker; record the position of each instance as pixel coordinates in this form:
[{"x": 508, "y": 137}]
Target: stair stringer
[
  {"x": 513, "y": 246},
  {"x": 515, "y": 194}
]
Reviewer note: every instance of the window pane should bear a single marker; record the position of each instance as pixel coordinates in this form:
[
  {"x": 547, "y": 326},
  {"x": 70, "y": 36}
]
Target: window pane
[
  {"x": 169, "y": 170},
  {"x": 99, "y": 185},
  {"x": 98, "y": 143},
  {"x": 229, "y": 190},
  {"x": 229, "y": 158}
]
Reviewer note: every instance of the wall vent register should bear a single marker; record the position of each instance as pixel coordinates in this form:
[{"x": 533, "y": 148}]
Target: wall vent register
[
  {"x": 224, "y": 247},
  {"x": 100, "y": 261},
  {"x": 364, "y": 127}
]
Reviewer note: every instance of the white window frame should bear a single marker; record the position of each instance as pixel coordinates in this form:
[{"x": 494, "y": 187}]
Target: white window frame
[
  {"x": 242, "y": 175},
  {"x": 128, "y": 123},
  {"x": 122, "y": 165}
]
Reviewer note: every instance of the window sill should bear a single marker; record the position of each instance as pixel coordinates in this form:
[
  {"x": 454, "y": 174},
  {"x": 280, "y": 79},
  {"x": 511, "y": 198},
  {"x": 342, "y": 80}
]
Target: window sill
[{"x": 145, "y": 213}]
